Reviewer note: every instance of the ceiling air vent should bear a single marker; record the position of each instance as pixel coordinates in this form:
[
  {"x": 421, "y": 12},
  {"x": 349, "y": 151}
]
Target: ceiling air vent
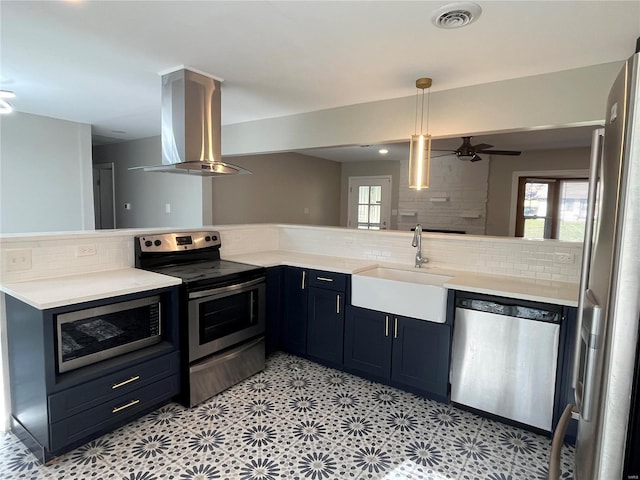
[{"x": 456, "y": 15}]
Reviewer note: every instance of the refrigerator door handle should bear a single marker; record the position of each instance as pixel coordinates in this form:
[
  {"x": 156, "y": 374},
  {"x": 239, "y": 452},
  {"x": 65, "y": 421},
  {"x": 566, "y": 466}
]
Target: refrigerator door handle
[
  {"x": 597, "y": 139},
  {"x": 590, "y": 336}
]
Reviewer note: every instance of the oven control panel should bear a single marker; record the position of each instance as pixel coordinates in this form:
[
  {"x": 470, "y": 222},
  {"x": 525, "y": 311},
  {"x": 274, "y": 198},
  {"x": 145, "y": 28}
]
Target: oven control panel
[{"x": 176, "y": 242}]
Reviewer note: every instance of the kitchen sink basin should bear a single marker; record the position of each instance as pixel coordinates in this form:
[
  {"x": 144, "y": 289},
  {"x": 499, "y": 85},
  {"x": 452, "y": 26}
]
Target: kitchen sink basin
[{"x": 415, "y": 294}]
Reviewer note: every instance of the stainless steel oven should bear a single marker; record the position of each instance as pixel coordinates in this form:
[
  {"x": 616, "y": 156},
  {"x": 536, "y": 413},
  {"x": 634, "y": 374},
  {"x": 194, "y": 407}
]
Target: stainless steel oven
[
  {"x": 225, "y": 316},
  {"x": 222, "y": 321},
  {"x": 90, "y": 335}
]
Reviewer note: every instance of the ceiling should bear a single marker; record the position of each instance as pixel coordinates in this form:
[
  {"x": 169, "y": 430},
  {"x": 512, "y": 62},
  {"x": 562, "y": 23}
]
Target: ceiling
[
  {"x": 523, "y": 141},
  {"x": 98, "y": 62}
]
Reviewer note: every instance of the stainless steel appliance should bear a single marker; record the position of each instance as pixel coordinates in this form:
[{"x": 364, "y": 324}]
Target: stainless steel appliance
[
  {"x": 90, "y": 335},
  {"x": 222, "y": 312},
  {"x": 504, "y": 358},
  {"x": 607, "y": 360}
]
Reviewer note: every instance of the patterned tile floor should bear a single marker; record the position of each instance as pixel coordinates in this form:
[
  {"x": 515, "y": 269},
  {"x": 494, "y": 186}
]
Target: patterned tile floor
[{"x": 299, "y": 420}]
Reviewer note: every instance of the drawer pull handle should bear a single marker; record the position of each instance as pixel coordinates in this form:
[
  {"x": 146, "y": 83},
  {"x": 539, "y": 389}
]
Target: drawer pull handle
[
  {"x": 324, "y": 279},
  {"x": 122, "y": 384},
  {"x": 130, "y": 404}
]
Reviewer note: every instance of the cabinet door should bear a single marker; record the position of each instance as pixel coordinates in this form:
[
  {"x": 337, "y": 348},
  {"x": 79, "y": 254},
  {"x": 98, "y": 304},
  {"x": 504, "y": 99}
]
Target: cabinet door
[
  {"x": 367, "y": 342},
  {"x": 325, "y": 327},
  {"x": 274, "y": 309},
  {"x": 421, "y": 353},
  {"x": 293, "y": 328}
]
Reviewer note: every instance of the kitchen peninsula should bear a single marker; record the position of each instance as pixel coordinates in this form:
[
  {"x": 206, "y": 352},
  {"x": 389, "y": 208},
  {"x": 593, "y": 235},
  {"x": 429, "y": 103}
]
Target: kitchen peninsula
[{"x": 511, "y": 268}]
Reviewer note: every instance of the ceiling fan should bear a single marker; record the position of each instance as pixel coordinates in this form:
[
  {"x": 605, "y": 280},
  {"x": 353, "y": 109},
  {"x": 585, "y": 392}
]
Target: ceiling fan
[{"x": 466, "y": 150}]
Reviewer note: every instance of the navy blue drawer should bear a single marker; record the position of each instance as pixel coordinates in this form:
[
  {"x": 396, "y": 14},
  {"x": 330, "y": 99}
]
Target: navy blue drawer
[
  {"x": 112, "y": 413},
  {"x": 77, "y": 399},
  {"x": 330, "y": 280}
]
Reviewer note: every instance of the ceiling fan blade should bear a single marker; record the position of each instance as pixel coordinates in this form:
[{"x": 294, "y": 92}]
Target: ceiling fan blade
[
  {"x": 482, "y": 146},
  {"x": 442, "y": 154},
  {"x": 499, "y": 152},
  {"x": 475, "y": 158}
]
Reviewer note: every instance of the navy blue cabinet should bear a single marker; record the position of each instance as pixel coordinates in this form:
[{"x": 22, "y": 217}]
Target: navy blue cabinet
[
  {"x": 293, "y": 327},
  {"x": 367, "y": 343},
  {"x": 54, "y": 410},
  {"x": 405, "y": 352},
  {"x": 325, "y": 317},
  {"x": 564, "y": 391},
  {"x": 420, "y": 356},
  {"x": 274, "y": 308}
]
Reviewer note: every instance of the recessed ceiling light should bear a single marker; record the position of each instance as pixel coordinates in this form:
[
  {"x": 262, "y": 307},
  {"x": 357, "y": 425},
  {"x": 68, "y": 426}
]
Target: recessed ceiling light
[
  {"x": 456, "y": 15},
  {"x": 383, "y": 151}
]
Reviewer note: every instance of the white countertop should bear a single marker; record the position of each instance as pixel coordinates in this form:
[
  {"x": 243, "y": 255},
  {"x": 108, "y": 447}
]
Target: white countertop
[
  {"x": 547, "y": 291},
  {"x": 68, "y": 290},
  {"x": 274, "y": 258}
]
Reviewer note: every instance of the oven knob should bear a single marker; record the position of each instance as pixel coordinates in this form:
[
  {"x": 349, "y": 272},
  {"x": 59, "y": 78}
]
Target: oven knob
[
  {"x": 214, "y": 238},
  {"x": 157, "y": 243},
  {"x": 207, "y": 238},
  {"x": 148, "y": 243}
]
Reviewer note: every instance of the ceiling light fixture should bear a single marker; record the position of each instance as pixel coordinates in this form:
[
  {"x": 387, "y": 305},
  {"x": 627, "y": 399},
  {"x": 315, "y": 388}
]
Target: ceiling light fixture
[
  {"x": 5, "y": 106},
  {"x": 456, "y": 15},
  {"x": 420, "y": 150},
  {"x": 383, "y": 151}
]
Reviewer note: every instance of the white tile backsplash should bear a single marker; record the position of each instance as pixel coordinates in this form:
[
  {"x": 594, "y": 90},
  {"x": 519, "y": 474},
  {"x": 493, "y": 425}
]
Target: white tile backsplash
[{"x": 55, "y": 254}]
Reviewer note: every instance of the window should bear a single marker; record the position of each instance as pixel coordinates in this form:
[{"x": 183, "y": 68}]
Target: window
[
  {"x": 369, "y": 197},
  {"x": 369, "y": 202},
  {"x": 552, "y": 208}
]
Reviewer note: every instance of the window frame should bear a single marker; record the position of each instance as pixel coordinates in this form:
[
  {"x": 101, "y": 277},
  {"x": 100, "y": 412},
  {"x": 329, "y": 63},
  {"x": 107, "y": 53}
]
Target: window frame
[{"x": 552, "y": 218}]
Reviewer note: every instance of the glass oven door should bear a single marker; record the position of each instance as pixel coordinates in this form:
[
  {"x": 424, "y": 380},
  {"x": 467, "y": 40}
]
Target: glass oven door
[{"x": 225, "y": 316}]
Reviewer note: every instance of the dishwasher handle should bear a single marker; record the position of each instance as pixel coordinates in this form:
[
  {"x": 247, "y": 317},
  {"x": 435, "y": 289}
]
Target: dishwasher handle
[{"x": 518, "y": 311}]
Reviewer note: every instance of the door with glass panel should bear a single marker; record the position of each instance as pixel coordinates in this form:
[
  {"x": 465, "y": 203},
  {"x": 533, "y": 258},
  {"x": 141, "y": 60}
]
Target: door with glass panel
[{"x": 369, "y": 203}]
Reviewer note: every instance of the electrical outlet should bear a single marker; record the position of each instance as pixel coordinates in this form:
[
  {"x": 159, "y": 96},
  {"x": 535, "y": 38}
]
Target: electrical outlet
[
  {"x": 564, "y": 257},
  {"x": 86, "y": 250},
  {"x": 18, "y": 260}
]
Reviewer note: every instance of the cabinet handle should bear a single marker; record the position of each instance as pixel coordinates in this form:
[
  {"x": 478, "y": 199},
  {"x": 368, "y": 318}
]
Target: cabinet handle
[
  {"x": 324, "y": 279},
  {"x": 122, "y": 384},
  {"x": 304, "y": 274},
  {"x": 130, "y": 404},
  {"x": 395, "y": 327},
  {"x": 386, "y": 325},
  {"x": 337, "y": 303}
]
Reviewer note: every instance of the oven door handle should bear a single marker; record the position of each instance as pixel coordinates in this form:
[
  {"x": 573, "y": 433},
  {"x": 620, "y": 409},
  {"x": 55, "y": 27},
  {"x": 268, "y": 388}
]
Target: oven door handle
[{"x": 229, "y": 288}]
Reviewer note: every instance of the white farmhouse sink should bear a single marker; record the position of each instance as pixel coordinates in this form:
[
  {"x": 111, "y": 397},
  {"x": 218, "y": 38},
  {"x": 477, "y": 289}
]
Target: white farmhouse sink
[{"x": 409, "y": 293}]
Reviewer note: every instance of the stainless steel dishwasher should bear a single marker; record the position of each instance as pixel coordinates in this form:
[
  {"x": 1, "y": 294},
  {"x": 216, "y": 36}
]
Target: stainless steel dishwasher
[{"x": 504, "y": 358}]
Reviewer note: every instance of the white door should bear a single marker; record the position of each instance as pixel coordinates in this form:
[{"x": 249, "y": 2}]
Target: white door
[{"x": 369, "y": 204}]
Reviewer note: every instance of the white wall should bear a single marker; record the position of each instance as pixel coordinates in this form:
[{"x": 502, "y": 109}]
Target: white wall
[
  {"x": 189, "y": 196},
  {"x": 572, "y": 97},
  {"x": 45, "y": 174}
]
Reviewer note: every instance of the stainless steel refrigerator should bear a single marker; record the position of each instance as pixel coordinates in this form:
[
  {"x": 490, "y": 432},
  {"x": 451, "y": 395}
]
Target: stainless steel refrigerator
[{"x": 606, "y": 369}]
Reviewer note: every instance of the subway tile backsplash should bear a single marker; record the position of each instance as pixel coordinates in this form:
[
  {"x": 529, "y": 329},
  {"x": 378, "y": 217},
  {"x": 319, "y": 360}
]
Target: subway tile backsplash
[{"x": 57, "y": 254}]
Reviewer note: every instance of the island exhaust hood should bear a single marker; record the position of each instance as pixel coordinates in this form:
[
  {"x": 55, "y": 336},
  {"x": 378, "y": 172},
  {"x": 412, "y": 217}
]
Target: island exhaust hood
[{"x": 191, "y": 133}]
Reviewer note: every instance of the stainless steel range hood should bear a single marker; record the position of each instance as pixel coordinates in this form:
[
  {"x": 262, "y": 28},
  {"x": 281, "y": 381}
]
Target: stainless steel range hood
[{"x": 191, "y": 105}]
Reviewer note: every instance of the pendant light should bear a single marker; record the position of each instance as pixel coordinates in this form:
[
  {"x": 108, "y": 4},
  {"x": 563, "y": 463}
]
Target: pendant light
[
  {"x": 420, "y": 150},
  {"x": 5, "y": 106}
]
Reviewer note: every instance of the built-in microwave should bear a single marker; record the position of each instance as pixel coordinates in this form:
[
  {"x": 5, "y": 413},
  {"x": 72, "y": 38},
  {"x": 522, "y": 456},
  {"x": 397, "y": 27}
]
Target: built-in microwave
[{"x": 94, "y": 334}]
